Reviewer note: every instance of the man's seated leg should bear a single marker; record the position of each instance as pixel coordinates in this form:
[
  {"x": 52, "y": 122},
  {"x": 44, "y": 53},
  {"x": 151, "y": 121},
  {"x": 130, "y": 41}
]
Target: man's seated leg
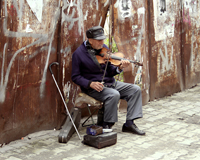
[
  {"x": 108, "y": 115},
  {"x": 100, "y": 116},
  {"x": 132, "y": 94}
]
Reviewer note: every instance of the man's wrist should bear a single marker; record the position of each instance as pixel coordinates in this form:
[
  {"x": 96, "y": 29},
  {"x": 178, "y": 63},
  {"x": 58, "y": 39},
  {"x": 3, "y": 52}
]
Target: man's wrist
[
  {"x": 89, "y": 84},
  {"x": 120, "y": 68}
]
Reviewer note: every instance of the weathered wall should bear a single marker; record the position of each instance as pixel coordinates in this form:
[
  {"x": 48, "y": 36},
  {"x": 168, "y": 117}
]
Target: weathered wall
[
  {"x": 161, "y": 34},
  {"x": 165, "y": 48},
  {"x": 77, "y": 17},
  {"x": 28, "y": 43},
  {"x": 131, "y": 36},
  {"x": 190, "y": 42}
]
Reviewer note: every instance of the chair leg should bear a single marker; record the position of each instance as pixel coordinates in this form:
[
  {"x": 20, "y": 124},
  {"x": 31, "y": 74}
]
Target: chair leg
[{"x": 90, "y": 116}]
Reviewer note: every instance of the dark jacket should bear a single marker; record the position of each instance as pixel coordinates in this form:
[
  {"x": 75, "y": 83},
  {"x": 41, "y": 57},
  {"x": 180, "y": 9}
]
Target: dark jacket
[{"x": 85, "y": 70}]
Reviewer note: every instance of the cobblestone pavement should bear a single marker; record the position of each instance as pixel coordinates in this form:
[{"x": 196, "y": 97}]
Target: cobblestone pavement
[{"x": 172, "y": 126}]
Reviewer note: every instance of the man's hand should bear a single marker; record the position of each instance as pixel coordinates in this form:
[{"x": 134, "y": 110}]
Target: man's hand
[
  {"x": 97, "y": 86},
  {"x": 124, "y": 64}
]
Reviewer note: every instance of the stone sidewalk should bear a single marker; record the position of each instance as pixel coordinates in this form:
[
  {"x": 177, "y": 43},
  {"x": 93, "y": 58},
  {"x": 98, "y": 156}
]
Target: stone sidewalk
[{"x": 172, "y": 126}]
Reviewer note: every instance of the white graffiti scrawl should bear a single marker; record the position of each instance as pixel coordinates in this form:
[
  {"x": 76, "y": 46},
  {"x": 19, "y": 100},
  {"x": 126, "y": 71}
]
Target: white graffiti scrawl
[
  {"x": 124, "y": 8},
  {"x": 40, "y": 38},
  {"x": 69, "y": 14},
  {"x": 165, "y": 62}
]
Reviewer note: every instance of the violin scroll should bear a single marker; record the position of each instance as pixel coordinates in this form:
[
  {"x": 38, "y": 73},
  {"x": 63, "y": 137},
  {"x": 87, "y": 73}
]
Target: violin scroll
[{"x": 137, "y": 63}]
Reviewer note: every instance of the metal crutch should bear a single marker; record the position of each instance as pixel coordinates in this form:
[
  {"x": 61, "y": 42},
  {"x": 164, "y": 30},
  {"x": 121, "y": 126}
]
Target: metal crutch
[{"x": 56, "y": 63}]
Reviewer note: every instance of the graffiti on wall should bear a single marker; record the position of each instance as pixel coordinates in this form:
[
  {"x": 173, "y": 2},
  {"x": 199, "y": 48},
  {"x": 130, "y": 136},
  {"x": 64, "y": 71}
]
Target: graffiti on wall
[
  {"x": 73, "y": 18},
  {"x": 124, "y": 8},
  {"x": 164, "y": 19},
  {"x": 191, "y": 18},
  {"x": 69, "y": 14},
  {"x": 72, "y": 14},
  {"x": 163, "y": 6},
  {"x": 31, "y": 30},
  {"x": 45, "y": 38},
  {"x": 194, "y": 61},
  {"x": 166, "y": 64},
  {"x": 191, "y": 12},
  {"x": 138, "y": 54}
]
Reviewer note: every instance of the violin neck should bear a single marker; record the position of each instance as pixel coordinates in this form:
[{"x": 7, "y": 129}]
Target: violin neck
[
  {"x": 132, "y": 61},
  {"x": 119, "y": 58}
]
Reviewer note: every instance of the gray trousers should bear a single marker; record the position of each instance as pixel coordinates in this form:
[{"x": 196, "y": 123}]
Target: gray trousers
[{"x": 111, "y": 96}]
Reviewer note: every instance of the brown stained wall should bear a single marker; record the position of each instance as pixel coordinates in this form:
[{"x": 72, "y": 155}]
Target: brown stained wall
[
  {"x": 75, "y": 21},
  {"x": 190, "y": 43},
  {"x": 165, "y": 53},
  {"x": 28, "y": 98},
  {"x": 164, "y": 37},
  {"x": 130, "y": 34}
]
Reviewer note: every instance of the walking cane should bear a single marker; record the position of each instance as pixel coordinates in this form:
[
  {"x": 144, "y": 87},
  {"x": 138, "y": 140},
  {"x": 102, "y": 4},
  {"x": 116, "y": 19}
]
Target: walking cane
[{"x": 56, "y": 63}]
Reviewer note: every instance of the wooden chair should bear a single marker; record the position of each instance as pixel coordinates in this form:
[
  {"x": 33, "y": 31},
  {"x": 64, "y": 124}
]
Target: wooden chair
[{"x": 91, "y": 102}]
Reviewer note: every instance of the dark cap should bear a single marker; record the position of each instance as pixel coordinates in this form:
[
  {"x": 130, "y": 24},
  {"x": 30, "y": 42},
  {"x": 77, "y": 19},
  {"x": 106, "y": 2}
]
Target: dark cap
[{"x": 96, "y": 32}]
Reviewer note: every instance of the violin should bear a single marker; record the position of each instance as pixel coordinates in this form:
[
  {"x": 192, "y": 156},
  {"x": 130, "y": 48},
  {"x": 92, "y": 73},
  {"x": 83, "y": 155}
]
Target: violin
[{"x": 115, "y": 59}]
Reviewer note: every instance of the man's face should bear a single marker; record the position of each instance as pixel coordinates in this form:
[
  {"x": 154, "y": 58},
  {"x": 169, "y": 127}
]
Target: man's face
[{"x": 96, "y": 44}]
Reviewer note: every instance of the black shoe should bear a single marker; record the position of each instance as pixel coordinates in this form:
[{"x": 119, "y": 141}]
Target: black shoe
[{"x": 132, "y": 129}]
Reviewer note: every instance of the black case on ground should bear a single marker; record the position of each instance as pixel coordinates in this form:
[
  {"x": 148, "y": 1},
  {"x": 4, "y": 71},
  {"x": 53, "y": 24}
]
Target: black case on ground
[
  {"x": 68, "y": 129},
  {"x": 101, "y": 141}
]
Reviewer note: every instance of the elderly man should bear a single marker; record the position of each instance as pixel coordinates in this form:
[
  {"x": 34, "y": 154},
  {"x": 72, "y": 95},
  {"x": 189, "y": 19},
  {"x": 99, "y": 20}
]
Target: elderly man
[{"x": 89, "y": 74}]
